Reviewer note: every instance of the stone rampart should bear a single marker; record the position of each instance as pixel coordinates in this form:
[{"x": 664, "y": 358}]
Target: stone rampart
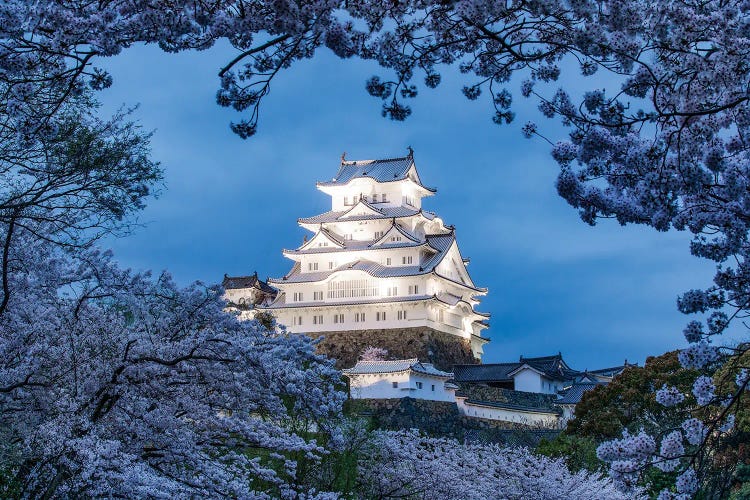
[
  {"x": 438, "y": 418},
  {"x": 429, "y": 345}
]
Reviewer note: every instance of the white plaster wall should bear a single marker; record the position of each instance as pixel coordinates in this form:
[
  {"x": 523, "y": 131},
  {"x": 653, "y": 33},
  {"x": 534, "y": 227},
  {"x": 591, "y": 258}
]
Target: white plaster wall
[
  {"x": 380, "y": 386},
  {"x": 506, "y": 415},
  {"x": 551, "y": 386},
  {"x": 393, "y": 191},
  {"x": 417, "y": 315},
  {"x": 236, "y": 295},
  {"x": 527, "y": 381}
]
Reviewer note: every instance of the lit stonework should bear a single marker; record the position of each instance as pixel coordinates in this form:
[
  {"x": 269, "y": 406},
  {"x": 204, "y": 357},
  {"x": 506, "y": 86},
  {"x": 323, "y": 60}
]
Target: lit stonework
[{"x": 378, "y": 261}]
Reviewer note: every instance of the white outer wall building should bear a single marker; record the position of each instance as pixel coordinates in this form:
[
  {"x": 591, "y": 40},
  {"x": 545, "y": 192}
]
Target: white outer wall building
[
  {"x": 399, "y": 379},
  {"x": 520, "y": 416},
  {"x": 529, "y": 380}
]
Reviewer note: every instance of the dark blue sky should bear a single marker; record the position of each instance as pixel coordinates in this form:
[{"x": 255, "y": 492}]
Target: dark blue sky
[{"x": 599, "y": 294}]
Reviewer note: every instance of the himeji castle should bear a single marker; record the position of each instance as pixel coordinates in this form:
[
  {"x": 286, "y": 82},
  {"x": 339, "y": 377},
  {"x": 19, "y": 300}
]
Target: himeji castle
[{"x": 377, "y": 263}]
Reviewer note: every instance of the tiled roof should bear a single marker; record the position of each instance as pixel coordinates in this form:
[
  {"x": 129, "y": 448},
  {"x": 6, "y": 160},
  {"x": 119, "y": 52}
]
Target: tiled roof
[
  {"x": 397, "y": 227},
  {"x": 429, "y": 369},
  {"x": 507, "y": 398},
  {"x": 573, "y": 394},
  {"x": 385, "y": 212},
  {"x": 592, "y": 377},
  {"x": 412, "y": 240},
  {"x": 239, "y": 282},
  {"x": 441, "y": 243},
  {"x": 613, "y": 371},
  {"x": 350, "y": 245},
  {"x": 553, "y": 367},
  {"x": 495, "y": 372},
  {"x": 387, "y": 170},
  {"x": 448, "y": 298},
  {"x": 399, "y": 365}
]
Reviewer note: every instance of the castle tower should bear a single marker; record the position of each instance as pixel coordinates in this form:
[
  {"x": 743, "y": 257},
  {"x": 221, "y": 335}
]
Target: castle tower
[{"x": 380, "y": 271}]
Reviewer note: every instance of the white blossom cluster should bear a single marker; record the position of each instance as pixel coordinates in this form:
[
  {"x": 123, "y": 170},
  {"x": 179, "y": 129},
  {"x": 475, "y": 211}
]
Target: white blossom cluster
[
  {"x": 407, "y": 465},
  {"x": 698, "y": 355},
  {"x": 703, "y": 390},
  {"x": 695, "y": 431},
  {"x": 669, "y": 396},
  {"x": 671, "y": 449}
]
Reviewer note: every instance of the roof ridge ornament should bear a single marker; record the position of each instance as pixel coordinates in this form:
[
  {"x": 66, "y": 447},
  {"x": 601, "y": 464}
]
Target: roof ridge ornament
[
  {"x": 343, "y": 157},
  {"x": 411, "y": 152}
]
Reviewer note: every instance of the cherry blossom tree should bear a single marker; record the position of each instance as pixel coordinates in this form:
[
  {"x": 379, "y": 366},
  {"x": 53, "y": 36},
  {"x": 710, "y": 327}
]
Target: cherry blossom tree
[
  {"x": 119, "y": 384},
  {"x": 373, "y": 354},
  {"x": 667, "y": 149},
  {"x": 407, "y": 465}
]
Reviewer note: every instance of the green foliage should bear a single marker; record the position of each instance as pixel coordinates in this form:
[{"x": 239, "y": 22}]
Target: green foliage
[
  {"x": 742, "y": 477},
  {"x": 9, "y": 484},
  {"x": 629, "y": 402},
  {"x": 579, "y": 452},
  {"x": 267, "y": 319}
]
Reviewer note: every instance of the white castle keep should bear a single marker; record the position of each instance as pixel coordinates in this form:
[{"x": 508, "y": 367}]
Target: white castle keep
[{"x": 376, "y": 260}]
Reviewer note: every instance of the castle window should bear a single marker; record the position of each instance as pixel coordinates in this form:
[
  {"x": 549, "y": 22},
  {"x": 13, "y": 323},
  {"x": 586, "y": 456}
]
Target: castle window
[
  {"x": 359, "y": 317},
  {"x": 388, "y": 261},
  {"x": 401, "y": 314},
  {"x": 395, "y": 385},
  {"x": 382, "y": 198},
  {"x": 352, "y": 288},
  {"x": 312, "y": 266},
  {"x": 413, "y": 289},
  {"x": 297, "y": 320},
  {"x": 330, "y": 265},
  {"x": 378, "y": 235},
  {"x": 338, "y": 318},
  {"x": 392, "y": 291},
  {"x": 318, "y": 320},
  {"x": 433, "y": 387},
  {"x": 419, "y": 385},
  {"x": 395, "y": 238},
  {"x": 380, "y": 316},
  {"x": 317, "y": 295},
  {"x": 406, "y": 260},
  {"x": 298, "y": 297}
]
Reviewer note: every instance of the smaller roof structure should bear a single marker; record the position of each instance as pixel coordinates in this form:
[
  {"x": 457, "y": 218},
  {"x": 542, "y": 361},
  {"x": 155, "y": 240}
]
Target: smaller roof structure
[
  {"x": 612, "y": 371},
  {"x": 573, "y": 394},
  {"x": 395, "y": 366},
  {"x": 384, "y": 170},
  {"x": 386, "y": 212},
  {"x": 486, "y": 373},
  {"x": 553, "y": 367},
  {"x": 241, "y": 282}
]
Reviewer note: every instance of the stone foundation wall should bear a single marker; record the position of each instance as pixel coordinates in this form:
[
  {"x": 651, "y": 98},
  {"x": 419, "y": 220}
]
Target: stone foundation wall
[
  {"x": 438, "y": 418},
  {"x": 432, "y": 346}
]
